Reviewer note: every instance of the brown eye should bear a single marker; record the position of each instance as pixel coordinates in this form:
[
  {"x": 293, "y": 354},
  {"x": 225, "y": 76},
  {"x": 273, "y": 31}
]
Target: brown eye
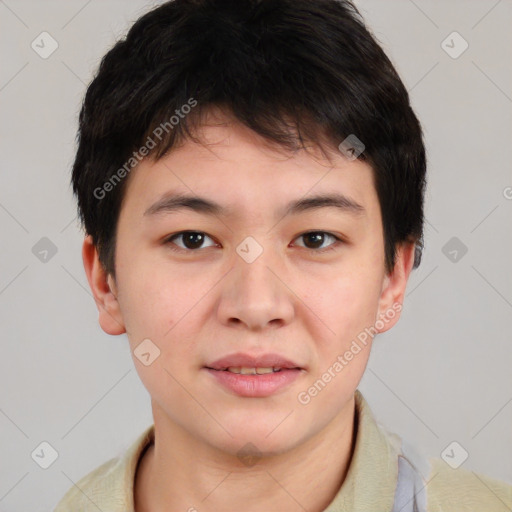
[
  {"x": 191, "y": 240},
  {"x": 314, "y": 240}
]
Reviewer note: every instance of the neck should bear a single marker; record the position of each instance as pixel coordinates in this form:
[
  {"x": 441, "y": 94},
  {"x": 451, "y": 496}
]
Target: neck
[{"x": 180, "y": 472}]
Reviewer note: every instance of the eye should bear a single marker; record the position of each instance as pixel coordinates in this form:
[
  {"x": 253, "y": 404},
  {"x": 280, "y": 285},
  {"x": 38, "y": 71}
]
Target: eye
[
  {"x": 192, "y": 240},
  {"x": 317, "y": 238}
]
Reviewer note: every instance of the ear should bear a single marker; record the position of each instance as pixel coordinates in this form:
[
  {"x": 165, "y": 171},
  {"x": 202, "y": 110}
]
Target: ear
[
  {"x": 393, "y": 287},
  {"x": 103, "y": 289}
]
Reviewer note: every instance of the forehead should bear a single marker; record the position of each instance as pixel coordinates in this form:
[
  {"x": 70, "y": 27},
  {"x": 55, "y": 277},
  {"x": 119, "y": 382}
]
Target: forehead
[{"x": 239, "y": 172}]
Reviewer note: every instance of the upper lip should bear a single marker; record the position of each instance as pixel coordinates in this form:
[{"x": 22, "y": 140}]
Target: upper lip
[{"x": 248, "y": 361}]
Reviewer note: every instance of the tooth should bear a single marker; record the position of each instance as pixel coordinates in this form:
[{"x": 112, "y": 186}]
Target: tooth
[
  {"x": 247, "y": 371},
  {"x": 261, "y": 371},
  {"x": 244, "y": 370}
]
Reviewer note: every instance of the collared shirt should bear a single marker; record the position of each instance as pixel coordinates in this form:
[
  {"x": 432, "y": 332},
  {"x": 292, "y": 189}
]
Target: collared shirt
[{"x": 369, "y": 485}]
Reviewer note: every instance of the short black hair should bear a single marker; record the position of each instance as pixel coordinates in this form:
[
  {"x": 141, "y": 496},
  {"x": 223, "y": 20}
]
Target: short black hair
[{"x": 293, "y": 71}]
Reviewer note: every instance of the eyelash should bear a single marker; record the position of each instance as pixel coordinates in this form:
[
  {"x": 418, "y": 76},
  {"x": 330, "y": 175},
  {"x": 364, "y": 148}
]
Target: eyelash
[{"x": 173, "y": 247}]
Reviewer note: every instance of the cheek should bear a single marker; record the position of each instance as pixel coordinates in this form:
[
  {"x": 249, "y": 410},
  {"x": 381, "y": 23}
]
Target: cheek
[
  {"x": 347, "y": 306},
  {"x": 147, "y": 289},
  {"x": 142, "y": 304},
  {"x": 160, "y": 305},
  {"x": 154, "y": 311}
]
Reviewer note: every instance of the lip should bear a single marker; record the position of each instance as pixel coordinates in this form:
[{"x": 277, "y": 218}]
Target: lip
[
  {"x": 254, "y": 386},
  {"x": 261, "y": 361}
]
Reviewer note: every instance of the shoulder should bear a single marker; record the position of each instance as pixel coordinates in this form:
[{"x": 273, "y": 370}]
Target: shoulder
[
  {"x": 109, "y": 487},
  {"x": 462, "y": 490},
  {"x": 91, "y": 489}
]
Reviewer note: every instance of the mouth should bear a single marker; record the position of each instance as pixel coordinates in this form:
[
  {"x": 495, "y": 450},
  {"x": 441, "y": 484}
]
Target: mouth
[
  {"x": 245, "y": 370},
  {"x": 254, "y": 376},
  {"x": 247, "y": 364}
]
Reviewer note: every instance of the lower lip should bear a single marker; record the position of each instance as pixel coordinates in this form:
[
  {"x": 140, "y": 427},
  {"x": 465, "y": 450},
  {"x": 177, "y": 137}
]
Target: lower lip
[{"x": 255, "y": 385}]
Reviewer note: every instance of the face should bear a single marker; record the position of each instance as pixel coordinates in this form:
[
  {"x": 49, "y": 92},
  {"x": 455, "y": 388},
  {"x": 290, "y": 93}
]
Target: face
[{"x": 264, "y": 277}]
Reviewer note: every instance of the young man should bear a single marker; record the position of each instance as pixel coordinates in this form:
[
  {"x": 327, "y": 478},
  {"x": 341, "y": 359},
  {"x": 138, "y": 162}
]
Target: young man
[{"x": 250, "y": 176}]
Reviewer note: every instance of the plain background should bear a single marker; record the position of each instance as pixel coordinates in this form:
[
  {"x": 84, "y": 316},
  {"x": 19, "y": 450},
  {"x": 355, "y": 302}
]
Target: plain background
[{"x": 441, "y": 375}]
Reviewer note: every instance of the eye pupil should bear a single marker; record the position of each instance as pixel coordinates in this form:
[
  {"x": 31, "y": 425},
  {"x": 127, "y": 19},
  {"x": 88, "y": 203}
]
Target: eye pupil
[
  {"x": 316, "y": 238},
  {"x": 193, "y": 239}
]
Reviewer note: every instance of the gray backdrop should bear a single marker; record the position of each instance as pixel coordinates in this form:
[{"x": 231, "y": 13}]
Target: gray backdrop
[{"x": 441, "y": 375}]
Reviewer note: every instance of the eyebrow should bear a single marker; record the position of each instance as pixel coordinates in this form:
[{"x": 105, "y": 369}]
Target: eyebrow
[{"x": 172, "y": 202}]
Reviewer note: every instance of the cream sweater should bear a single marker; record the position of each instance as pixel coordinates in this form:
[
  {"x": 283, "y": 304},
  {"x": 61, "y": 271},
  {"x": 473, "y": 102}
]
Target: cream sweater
[{"x": 369, "y": 486}]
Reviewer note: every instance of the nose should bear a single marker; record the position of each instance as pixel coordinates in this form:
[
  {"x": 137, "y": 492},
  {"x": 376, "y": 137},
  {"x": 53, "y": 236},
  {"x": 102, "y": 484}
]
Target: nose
[{"x": 255, "y": 295}]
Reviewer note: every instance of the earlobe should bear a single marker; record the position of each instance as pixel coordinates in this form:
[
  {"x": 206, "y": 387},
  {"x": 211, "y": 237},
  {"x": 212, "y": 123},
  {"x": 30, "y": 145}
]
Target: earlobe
[
  {"x": 394, "y": 285},
  {"x": 103, "y": 289}
]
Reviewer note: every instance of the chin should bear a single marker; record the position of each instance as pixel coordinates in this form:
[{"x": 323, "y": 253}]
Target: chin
[
  {"x": 258, "y": 441},
  {"x": 249, "y": 450}
]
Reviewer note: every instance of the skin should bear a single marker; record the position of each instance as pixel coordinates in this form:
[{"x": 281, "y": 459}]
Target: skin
[{"x": 200, "y": 305}]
